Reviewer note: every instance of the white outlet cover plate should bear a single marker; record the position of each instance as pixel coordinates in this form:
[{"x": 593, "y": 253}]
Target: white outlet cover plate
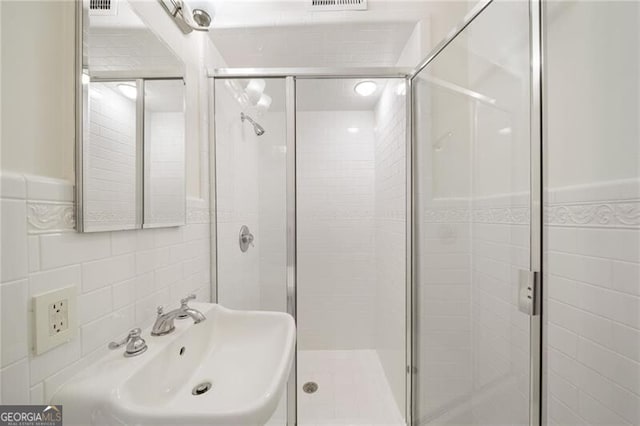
[{"x": 44, "y": 340}]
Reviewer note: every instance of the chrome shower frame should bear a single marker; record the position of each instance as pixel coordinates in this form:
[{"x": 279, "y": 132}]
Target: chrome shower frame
[
  {"x": 291, "y": 75},
  {"x": 537, "y": 364},
  {"x": 537, "y": 321}
]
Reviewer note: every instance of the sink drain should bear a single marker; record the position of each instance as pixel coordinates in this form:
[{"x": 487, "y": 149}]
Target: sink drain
[
  {"x": 201, "y": 388},
  {"x": 310, "y": 387}
]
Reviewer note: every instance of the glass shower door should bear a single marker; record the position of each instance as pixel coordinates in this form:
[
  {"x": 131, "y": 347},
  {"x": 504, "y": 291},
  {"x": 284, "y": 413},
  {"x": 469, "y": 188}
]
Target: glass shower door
[
  {"x": 251, "y": 197},
  {"x": 472, "y": 200}
]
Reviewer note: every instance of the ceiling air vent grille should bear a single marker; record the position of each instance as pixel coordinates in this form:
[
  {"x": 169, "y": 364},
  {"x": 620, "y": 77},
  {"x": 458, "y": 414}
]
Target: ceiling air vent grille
[
  {"x": 103, "y": 7},
  {"x": 333, "y": 5}
]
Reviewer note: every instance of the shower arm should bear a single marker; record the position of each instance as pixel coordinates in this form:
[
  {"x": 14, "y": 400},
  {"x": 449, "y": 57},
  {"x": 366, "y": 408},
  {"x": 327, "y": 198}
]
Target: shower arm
[
  {"x": 180, "y": 12},
  {"x": 244, "y": 116}
]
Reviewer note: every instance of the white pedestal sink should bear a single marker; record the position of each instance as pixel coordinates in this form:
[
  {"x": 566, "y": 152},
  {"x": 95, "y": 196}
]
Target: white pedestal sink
[{"x": 245, "y": 356}]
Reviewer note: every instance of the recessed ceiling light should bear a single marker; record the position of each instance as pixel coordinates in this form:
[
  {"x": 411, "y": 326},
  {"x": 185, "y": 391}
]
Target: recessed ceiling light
[
  {"x": 366, "y": 88},
  {"x": 353, "y": 130},
  {"x": 505, "y": 131},
  {"x": 129, "y": 90}
]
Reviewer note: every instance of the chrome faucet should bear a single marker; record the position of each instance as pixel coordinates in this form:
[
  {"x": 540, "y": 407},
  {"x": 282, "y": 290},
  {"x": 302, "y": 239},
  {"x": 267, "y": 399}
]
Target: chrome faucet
[
  {"x": 164, "y": 321},
  {"x": 134, "y": 341}
]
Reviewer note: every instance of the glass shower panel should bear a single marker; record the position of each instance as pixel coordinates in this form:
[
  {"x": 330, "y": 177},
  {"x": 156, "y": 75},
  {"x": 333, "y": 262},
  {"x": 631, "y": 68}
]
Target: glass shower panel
[
  {"x": 250, "y": 182},
  {"x": 472, "y": 186},
  {"x": 351, "y": 281},
  {"x": 250, "y": 127}
]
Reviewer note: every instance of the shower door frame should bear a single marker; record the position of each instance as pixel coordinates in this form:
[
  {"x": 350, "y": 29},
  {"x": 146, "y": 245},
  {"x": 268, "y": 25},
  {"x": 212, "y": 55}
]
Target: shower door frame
[
  {"x": 290, "y": 76},
  {"x": 537, "y": 330}
]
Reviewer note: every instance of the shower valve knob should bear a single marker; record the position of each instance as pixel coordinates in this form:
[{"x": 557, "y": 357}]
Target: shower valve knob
[{"x": 245, "y": 239}]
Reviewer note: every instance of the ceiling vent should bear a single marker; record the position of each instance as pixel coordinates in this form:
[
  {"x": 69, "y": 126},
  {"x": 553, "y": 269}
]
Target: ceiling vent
[
  {"x": 334, "y": 5},
  {"x": 103, "y": 7}
]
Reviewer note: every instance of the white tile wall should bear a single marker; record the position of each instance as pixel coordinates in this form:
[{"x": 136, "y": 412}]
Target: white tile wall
[
  {"x": 335, "y": 230},
  {"x": 237, "y": 204},
  {"x": 444, "y": 300},
  {"x": 121, "y": 277},
  {"x": 390, "y": 237},
  {"x": 593, "y": 281},
  {"x": 164, "y": 133}
]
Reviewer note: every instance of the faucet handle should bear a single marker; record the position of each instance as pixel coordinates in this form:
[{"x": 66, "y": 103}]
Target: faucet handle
[
  {"x": 160, "y": 310},
  {"x": 136, "y": 332},
  {"x": 134, "y": 341},
  {"x": 186, "y": 300}
]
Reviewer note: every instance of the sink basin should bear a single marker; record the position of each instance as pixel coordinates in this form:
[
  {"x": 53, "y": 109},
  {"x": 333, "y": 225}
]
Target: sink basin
[{"x": 230, "y": 369}]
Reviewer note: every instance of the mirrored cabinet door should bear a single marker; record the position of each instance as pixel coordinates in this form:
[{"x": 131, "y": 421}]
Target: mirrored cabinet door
[
  {"x": 111, "y": 181},
  {"x": 130, "y": 160},
  {"x": 164, "y": 153}
]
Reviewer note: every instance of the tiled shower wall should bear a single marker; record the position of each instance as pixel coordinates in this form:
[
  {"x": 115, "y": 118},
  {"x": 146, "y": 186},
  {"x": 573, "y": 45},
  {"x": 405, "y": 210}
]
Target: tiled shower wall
[
  {"x": 120, "y": 278},
  {"x": 237, "y": 166},
  {"x": 474, "y": 347},
  {"x": 390, "y": 182},
  {"x": 251, "y": 189},
  {"x": 335, "y": 224}
]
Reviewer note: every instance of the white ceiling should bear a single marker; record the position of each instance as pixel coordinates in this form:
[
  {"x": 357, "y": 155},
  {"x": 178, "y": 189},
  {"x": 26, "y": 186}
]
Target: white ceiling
[
  {"x": 314, "y": 45},
  {"x": 337, "y": 95},
  {"x": 261, "y": 13},
  {"x": 125, "y": 18},
  {"x": 288, "y": 33}
]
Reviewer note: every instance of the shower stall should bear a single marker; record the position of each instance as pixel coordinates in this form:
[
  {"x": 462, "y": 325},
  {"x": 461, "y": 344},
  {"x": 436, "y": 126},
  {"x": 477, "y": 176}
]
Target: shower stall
[
  {"x": 311, "y": 218},
  {"x": 404, "y": 229}
]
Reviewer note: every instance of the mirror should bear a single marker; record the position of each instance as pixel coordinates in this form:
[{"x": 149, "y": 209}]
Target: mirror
[
  {"x": 110, "y": 182},
  {"x": 164, "y": 153},
  {"x": 130, "y": 170}
]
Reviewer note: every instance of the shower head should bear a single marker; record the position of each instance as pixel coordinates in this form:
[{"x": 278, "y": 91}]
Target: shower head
[
  {"x": 190, "y": 15},
  {"x": 202, "y": 18},
  {"x": 256, "y": 127}
]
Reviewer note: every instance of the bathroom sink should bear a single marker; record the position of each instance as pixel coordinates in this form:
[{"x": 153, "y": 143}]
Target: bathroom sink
[{"x": 229, "y": 369}]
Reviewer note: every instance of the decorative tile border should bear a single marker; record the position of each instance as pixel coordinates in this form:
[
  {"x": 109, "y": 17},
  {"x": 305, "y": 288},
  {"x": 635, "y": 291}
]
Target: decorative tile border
[
  {"x": 498, "y": 215},
  {"x": 611, "y": 214},
  {"x": 47, "y": 217},
  {"x": 503, "y": 215},
  {"x": 624, "y": 214},
  {"x": 50, "y": 217}
]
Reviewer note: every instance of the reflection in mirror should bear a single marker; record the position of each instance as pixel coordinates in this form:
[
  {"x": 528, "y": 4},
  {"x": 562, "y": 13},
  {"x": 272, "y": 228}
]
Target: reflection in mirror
[
  {"x": 117, "y": 42},
  {"x": 164, "y": 146},
  {"x": 119, "y": 54},
  {"x": 110, "y": 157}
]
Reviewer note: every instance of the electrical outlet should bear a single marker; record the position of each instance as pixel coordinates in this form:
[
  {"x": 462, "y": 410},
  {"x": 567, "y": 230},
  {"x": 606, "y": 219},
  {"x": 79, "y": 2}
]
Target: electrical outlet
[
  {"x": 58, "y": 316},
  {"x": 55, "y": 318}
]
